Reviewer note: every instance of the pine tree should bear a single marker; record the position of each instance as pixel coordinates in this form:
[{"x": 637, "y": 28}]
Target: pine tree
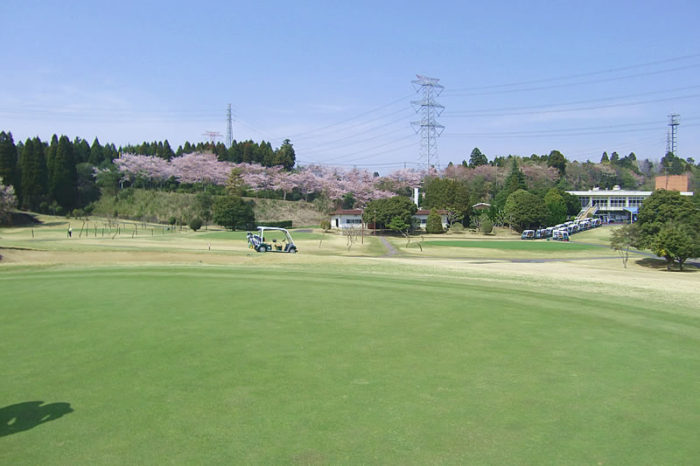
[
  {"x": 167, "y": 150},
  {"x": 50, "y": 162},
  {"x": 96, "y": 153},
  {"x": 9, "y": 172},
  {"x": 515, "y": 180},
  {"x": 64, "y": 181},
  {"x": 557, "y": 160},
  {"x": 285, "y": 155},
  {"x": 81, "y": 150},
  {"x": 34, "y": 176},
  {"x": 477, "y": 158}
]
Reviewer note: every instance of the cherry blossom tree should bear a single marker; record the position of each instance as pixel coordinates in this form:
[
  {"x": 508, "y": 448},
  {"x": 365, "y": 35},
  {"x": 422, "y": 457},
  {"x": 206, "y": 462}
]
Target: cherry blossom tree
[
  {"x": 200, "y": 168},
  {"x": 332, "y": 182},
  {"x": 132, "y": 166},
  {"x": 8, "y": 201}
]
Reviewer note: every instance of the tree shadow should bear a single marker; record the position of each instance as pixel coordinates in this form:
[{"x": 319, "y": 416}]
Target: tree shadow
[
  {"x": 20, "y": 219},
  {"x": 24, "y": 416},
  {"x": 660, "y": 264}
]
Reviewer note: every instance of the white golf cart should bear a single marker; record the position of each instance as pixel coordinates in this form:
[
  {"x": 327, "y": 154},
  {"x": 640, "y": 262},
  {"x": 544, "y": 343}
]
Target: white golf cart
[{"x": 271, "y": 243}]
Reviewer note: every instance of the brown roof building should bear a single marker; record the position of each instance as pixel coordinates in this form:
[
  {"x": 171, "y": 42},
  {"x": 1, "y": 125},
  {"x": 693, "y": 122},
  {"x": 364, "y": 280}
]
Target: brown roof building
[{"x": 679, "y": 183}]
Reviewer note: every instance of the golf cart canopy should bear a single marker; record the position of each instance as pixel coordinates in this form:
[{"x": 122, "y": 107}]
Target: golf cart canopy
[{"x": 259, "y": 243}]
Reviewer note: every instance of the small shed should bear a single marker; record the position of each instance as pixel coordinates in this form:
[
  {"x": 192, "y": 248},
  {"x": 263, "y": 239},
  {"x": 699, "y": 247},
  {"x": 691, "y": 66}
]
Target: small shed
[
  {"x": 346, "y": 218},
  {"x": 481, "y": 206},
  {"x": 422, "y": 216}
]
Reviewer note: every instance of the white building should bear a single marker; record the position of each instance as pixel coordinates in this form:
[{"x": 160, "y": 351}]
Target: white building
[
  {"x": 352, "y": 218},
  {"x": 614, "y": 204},
  {"x": 346, "y": 218},
  {"x": 422, "y": 216}
]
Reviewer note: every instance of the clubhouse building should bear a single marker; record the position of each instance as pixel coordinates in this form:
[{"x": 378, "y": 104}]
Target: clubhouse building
[{"x": 618, "y": 205}]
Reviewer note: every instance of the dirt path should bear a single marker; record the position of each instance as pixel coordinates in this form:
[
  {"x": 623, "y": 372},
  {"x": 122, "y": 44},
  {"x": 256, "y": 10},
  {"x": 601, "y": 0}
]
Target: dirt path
[{"x": 390, "y": 249}]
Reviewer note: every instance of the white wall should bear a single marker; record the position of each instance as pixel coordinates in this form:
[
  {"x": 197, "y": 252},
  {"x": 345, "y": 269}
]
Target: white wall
[{"x": 356, "y": 221}]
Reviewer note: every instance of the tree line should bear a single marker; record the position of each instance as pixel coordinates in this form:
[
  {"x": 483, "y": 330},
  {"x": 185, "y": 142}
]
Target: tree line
[
  {"x": 530, "y": 192},
  {"x": 61, "y": 175},
  {"x": 261, "y": 153},
  {"x": 56, "y": 176}
]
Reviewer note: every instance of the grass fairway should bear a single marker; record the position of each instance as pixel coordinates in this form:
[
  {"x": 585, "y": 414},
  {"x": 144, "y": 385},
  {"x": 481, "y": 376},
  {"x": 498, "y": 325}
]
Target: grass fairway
[
  {"x": 357, "y": 361},
  {"x": 518, "y": 245}
]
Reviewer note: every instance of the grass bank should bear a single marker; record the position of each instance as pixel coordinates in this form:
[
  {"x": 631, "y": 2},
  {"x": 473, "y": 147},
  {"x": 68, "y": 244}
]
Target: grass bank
[{"x": 160, "y": 206}]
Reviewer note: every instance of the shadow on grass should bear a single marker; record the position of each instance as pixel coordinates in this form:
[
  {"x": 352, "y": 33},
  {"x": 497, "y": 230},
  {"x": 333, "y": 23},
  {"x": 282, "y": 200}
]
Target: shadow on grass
[
  {"x": 660, "y": 264},
  {"x": 20, "y": 219},
  {"x": 24, "y": 416}
]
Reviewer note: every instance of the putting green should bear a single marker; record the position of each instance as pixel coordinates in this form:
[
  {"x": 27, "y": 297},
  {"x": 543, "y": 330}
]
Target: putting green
[{"x": 374, "y": 364}]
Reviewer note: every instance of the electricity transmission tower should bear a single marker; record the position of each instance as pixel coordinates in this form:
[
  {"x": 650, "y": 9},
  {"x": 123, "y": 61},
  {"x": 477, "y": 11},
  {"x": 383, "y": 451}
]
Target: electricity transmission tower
[
  {"x": 427, "y": 127},
  {"x": 229, "y": 127},
  {"x": 212, "y": 136},
  {"x": 671, "y": 137}
]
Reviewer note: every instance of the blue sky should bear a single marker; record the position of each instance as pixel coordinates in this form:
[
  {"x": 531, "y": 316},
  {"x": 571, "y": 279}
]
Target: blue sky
[{"x": 520, "y": 77}]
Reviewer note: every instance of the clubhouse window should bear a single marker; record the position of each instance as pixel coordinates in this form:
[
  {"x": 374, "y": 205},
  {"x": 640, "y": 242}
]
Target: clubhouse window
[{"x": 617, "y": 202}]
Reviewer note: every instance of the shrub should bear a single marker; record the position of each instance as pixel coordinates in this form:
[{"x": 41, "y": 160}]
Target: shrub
[
  {"x": 456, "y": 227},
  {"x": 172, "y": 220},
  {"x": 485, "y": 225},
  {"x": 195, "y": 224},
  {"x": 233, "y": 212},
  {"x": 325, "y": 225},
  {"x": 434, "y": 223}
]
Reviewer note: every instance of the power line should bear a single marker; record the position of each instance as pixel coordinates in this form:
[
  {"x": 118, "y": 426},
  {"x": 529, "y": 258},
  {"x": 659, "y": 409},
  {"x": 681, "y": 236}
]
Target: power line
[
  {"x": 363, "y": 126},
  {"x": 582, "y": 75},
  {"x": 596, "y": 107},
  {"x": 367, "y": 155},
  {"x": 345, "y": 152},
  {"x": 587, "y": 130},
  {"x": 576, "y": 102},
  {"x": 306, "y": 133},
  {"x": 332, "y": 144}
]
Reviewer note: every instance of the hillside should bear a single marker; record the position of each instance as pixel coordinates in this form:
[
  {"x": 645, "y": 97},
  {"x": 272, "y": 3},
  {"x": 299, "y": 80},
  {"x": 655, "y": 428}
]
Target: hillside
[{"x": 159, "y": 206}]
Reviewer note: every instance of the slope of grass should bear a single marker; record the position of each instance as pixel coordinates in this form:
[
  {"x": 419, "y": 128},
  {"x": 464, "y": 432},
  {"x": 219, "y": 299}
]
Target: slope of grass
[
  {"x": 147, "y": 205},
  {"x": 292, "y": 364},
  {"x": 159, "y": 206}
]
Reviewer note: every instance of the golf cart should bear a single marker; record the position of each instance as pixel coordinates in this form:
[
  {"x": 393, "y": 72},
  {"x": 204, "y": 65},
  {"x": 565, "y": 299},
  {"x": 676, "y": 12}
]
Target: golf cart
[
  {"x": 528, "y": 234},
  {"x": 260, "y": 244}
]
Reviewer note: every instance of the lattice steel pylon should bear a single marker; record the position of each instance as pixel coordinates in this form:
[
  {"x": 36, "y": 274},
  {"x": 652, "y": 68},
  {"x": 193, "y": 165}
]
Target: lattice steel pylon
[
  {"x": 428, "y": 128},
  {"x": 229, "y": 127},
  {"x": 212, "y": 136},
  {"x": 671, "y": 144}
]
